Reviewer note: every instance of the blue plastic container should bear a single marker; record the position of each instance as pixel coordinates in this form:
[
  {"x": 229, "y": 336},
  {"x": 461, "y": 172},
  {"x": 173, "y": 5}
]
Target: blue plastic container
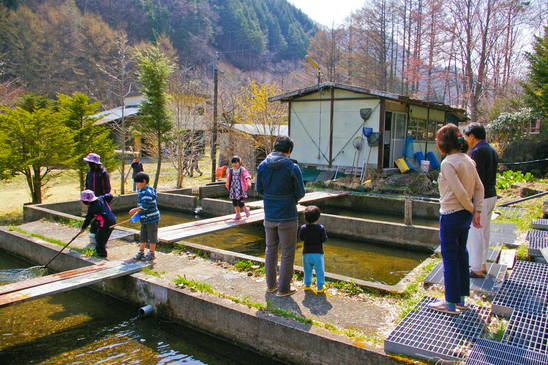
[{"x": 434, "y": 164}]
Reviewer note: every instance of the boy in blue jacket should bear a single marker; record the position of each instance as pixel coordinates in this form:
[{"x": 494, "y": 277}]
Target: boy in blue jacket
[
  {"x": 150, "y": 216},
  {"x": 99, "y": 208}
]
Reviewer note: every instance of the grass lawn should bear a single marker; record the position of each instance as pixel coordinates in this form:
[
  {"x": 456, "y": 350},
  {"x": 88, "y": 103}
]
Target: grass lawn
[{"x": 15, "y": 192}]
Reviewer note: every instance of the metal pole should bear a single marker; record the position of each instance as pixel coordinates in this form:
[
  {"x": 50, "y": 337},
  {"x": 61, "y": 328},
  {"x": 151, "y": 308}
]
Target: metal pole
[{"x": 214, "y": 134}]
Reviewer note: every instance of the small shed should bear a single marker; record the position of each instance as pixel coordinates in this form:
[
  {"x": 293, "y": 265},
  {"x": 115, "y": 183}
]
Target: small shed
[{"x": 327, "y": 122}]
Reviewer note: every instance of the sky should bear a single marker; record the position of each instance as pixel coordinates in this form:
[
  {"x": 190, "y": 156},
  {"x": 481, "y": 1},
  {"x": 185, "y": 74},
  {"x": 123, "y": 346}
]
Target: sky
[{"x": 326, "y": 12}]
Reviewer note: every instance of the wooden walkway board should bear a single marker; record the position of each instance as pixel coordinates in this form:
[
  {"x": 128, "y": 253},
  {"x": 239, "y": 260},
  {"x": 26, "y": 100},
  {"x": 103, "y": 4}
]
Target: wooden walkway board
[
  {"x": 71, "y": 283},
  {"x": 29, "y": 283},
  {"x": 309, "y": 197},
  {"x": 191, "y": 229}
]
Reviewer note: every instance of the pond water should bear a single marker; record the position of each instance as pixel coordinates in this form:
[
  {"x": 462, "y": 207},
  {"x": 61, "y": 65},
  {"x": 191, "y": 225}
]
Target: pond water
[
  {"x": 84, "y": 326},
  {"x": 356, "y": 259},
  {"x": 167, "y": 218}
]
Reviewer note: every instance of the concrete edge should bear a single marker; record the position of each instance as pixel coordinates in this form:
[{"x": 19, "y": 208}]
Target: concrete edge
[
  {"x": 233, "y": 257},
  {"x": 277, "y": 337}
]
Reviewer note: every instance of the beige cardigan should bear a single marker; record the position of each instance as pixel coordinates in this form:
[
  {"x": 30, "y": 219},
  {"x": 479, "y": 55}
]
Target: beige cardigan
[{"x": 460, "y": 185}]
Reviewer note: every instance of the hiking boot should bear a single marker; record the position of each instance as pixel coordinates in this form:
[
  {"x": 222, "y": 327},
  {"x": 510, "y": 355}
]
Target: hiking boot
[
  {"x": 140, "y": 256},
  {"x": 150, "y": 256},
  {"x": 247, "y": 212}
]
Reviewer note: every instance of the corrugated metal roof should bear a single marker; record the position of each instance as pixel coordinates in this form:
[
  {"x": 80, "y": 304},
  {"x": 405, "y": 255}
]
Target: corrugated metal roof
[
  {"x": 261, "y": 130},
  {"x": 113, "y": 114},
  {"x": 381, "y": 94}
]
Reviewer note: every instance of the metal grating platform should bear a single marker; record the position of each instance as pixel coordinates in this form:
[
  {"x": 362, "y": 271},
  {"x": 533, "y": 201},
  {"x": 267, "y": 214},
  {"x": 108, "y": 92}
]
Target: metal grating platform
[
  {"x": 487, "y": 352},
  {"x": 525, "y": 271},
  {"x": 527, "y": 331},
  {"x": 489, "y": 284},
  {"x": 432, "y": 335},
  {"x": 524, "y": 296},
  {"x": 503, "y": 233},
  {"x": 512, "y": 211},
  {"x": 494, "y": 252},
  {"x": 537, "y": 240},
  {"x": 540, "y": 223}
]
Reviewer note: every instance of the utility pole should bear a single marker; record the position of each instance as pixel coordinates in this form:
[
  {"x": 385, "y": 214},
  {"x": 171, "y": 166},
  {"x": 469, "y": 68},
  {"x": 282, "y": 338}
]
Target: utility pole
[{"x": 214, "y": 134}]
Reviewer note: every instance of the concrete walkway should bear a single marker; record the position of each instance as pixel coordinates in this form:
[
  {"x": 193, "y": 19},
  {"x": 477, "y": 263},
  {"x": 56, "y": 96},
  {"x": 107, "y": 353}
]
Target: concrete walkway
[{"x": 372, "y": 316}]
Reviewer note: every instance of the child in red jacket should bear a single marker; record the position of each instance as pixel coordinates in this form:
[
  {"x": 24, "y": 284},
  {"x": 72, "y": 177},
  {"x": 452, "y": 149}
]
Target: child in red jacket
[{"x": 237, "y": 182}]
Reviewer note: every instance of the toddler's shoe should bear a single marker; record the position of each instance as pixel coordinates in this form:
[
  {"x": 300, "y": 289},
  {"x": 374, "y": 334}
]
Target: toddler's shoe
[
  {"x": 308, "y": 288},
  {"x": 150, "y": 256},
  {"x": 140, "y": 256},
  {"x": 247, "y": 212},
  {"x": 237, "y": 217}
]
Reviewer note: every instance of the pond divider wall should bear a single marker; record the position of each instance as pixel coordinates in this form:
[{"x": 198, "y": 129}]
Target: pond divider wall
[{"x": 279, "y": 338}]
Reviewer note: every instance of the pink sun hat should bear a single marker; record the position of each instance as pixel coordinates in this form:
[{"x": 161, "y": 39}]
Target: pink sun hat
[
  {"x": 88, "y": 196},
  {"x": 93, "y": 157}
]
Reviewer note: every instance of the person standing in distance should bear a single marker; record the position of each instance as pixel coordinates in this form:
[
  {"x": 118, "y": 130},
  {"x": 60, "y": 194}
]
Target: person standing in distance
[
  {"x": 280, "y": 181},
  {"x": 487, "y": 161}
]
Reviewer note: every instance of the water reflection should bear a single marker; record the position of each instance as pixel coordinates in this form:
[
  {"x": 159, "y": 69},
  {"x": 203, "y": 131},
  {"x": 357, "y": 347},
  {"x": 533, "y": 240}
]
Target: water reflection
[{"x": 86, "y": 327}]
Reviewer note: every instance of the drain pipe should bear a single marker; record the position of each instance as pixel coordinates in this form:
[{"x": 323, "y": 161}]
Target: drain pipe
[{"x": 146, "y": 311}]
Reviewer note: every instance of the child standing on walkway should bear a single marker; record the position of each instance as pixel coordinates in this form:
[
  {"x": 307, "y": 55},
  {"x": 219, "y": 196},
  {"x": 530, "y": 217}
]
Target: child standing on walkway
[
  {"x": 237, "y": 183},
  {"x": 313, "y": 235},
  {"x": 99, "y": 209},
  {"x": 150, "y": 216}
]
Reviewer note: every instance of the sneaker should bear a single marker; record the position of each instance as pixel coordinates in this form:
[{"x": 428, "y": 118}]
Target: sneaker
[
  {"x": 140, "y": 256},
  {"x": 247, "y": 212},
  {"x": 308, "y": 288},
  {"x": 150, "y": 256},
  {"x": 237, "y": 217},
  {"x": 290, "y": 292}
]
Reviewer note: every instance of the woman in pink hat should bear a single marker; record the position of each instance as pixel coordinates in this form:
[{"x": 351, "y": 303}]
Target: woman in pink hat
[
  {"x": 98, "y": 208},
  {"x": 98, "y": 181}
]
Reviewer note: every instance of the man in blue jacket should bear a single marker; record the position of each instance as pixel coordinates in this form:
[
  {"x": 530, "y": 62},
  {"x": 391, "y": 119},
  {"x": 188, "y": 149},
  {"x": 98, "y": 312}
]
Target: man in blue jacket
[{"x": 280, "y": 181}]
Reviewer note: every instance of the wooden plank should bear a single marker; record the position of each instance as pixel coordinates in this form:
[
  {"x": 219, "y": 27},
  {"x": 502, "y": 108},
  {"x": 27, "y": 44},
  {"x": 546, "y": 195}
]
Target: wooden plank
[
  {"x": 4, "y": 289},
  {"x": 309, "y": 197},
  {"x": 71, "y": 283},
  {"x": 508, "y": 257}
]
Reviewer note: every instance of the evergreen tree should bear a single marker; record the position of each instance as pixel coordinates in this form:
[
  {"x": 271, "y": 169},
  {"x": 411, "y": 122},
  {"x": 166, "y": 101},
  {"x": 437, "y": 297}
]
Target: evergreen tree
[
  {"x": 537, "y": 85},
  {"x": 154, "y": 70},
  {"x": 75, "y": 113},
  {"x": 33, "y": 143}
]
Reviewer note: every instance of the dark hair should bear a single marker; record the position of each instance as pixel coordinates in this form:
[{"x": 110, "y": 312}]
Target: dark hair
[
  {"x": 236, "y": 159},
  {"x": 93, "y": 166},
  {"x": 476, "y": 129},
  {"x": 84, "y": 202},
  {"x": 141, "y": 177},
  {"x": 449, "y": 138},
  {"x": 283, "y": 144},
  {"x": 312, "y": 214}
]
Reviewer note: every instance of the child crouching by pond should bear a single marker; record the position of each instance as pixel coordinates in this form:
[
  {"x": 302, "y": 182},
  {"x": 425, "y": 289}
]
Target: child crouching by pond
[{"x": 313, "y": 235}]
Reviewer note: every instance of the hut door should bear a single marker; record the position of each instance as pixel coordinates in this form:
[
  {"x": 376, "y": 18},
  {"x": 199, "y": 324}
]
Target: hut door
[{"x": 397, "y": 132}]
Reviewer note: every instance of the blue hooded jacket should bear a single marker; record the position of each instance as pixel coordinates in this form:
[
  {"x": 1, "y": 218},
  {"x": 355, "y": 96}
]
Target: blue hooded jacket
[{"x": 280, "y": 181}]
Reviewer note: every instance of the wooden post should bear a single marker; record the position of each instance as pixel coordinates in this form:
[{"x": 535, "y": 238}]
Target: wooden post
[{"x": 408, "y": 213}]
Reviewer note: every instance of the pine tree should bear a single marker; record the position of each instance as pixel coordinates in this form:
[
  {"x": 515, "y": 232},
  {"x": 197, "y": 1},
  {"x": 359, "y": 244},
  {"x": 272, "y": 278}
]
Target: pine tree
[
  {"x": 537, "y": 85},
  {"x": 155, "y": 118}
]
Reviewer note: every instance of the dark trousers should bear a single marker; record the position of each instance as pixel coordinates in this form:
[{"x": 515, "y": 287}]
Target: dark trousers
[
  {"x": 102, "y": 236},
  {"x": 454, "y": 229}
]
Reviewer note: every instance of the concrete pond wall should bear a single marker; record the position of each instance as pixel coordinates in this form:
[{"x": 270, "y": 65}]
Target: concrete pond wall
[{"x": 279, "y": 338}]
